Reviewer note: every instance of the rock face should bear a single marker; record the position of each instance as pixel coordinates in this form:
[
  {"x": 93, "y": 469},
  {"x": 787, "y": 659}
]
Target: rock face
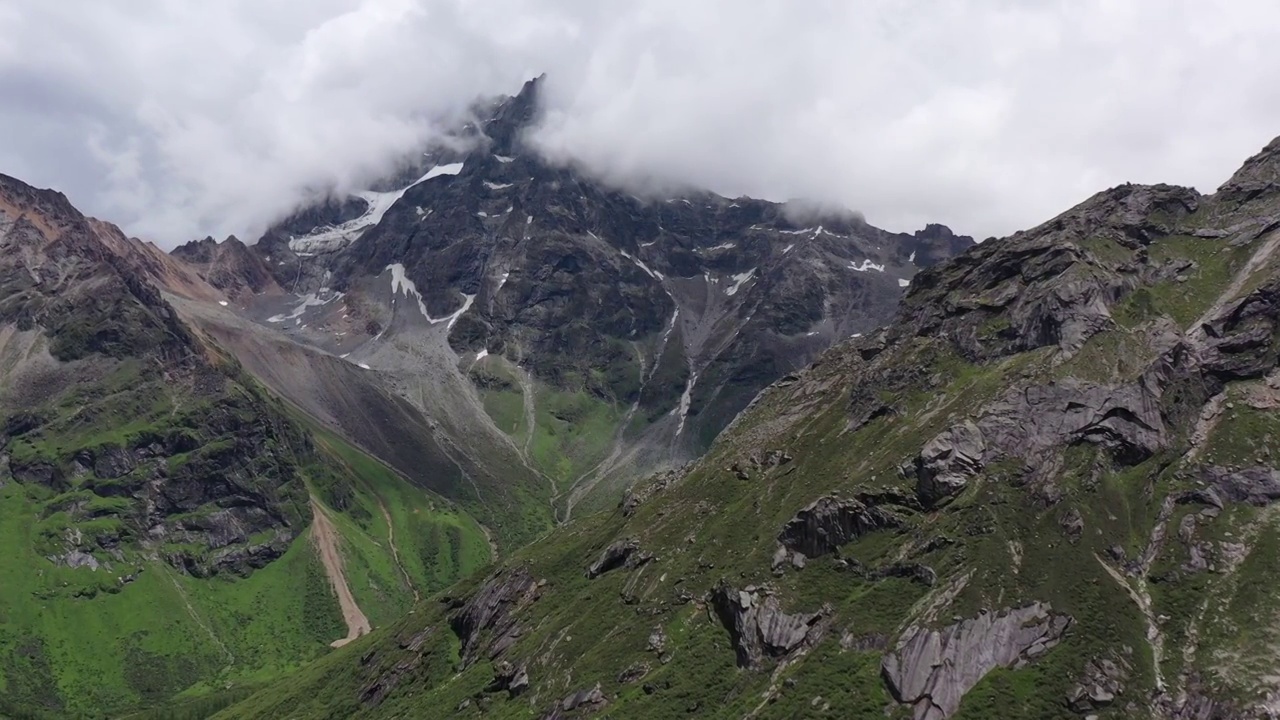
[
  {"x": 1255, "y": 486},
  {"x": 623, "y": 553},
  {"x": 230, "y": 266},
  {"x": 757, "y": 625},
  {"x": 1124, "y": 419},
  {"x": 946, "y": 462},
  {"x": 683, "y": 308},
  {"x": 204, "y": 472},
  {"x": 829, "y": 522},
  {"x": 486, "y": 622},
  {"x": 933, "y": 669},
  {"x": 1042, "y": 287}
]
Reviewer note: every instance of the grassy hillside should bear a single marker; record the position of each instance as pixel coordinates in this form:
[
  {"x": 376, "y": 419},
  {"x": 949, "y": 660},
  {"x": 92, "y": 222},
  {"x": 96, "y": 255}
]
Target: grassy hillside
[{"x": 1065, "y": 438}]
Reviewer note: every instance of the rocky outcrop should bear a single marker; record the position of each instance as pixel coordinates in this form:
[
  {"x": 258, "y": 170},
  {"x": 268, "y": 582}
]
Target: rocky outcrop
[
  {"x": 757, "y": 625},
  {"x": 486, "y": 623},
  {"x": 587, "y": 699},
  {"x": 829, "y": 522},
  {"x": 1099, "y": 687},
  {"x": 945, "y": 464},
  {"x": 621, "y": 554},
  {"x": 1124, "y": 419},
  {"x": 1255, "y": 486},
  {"x": 1044, "y": 287},
  {"x": 514, "y": 679},
  {"x": 931, "y": 670}
]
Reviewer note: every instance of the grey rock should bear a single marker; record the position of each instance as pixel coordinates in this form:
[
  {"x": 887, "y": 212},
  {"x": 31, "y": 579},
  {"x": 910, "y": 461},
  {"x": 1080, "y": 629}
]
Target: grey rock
[
  {"x": 758, "y": 628},
  {"x": 1255, "y": 486},
  {"x": 1072, "y": 524},
  {"x": 620, "y": 554},
  {"x": 514, "y": 679},
  {"x": 1125, "y": 419},
  {"x": 633, "y": 673},
  {"x": 657, "y": 640},
  {"x": 79, "y": 559},
  {"x": 945, "y": 463},
  {"x": 113, "y": 462},
  {"x": 933, "y": 669},
  {"x": 829, "y": 522},
  {"x": 486, "y": 622}
]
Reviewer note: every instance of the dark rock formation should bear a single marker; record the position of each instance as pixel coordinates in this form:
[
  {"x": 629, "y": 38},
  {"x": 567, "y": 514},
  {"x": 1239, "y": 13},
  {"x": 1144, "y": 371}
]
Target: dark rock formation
[
  {"x": 1254, "y": 486},
  {"x": 514, "y": 679},
  {"x": 933, "y": 669},
  {"x": 623, "y": 553},
  {"x": 829, "y": 522},
  {"x": 486, "y": 622},
  {"x": 757, "y": 625}
]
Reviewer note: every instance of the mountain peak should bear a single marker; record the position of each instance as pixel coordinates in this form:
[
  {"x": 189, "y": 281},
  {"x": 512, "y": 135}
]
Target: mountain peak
[{"x": 513, "y": 116}]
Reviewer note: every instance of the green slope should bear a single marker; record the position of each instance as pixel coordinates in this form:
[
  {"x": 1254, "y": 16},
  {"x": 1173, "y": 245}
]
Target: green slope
[{"x": 1124, "y": 481}]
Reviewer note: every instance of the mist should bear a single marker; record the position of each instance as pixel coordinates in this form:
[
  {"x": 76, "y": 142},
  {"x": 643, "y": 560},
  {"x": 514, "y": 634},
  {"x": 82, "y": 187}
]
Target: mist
[{"x": 179, "y": 121}]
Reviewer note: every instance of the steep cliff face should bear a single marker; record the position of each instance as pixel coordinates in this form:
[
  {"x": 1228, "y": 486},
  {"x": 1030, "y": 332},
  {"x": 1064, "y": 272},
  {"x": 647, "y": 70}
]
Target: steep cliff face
[
  {"x": 1045, "y": 490},
  {"x": 599, "y": 333}
]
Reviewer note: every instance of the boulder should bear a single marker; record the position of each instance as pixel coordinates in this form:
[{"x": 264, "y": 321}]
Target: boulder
[
  {"x": 623, "y": 553},
  {"x": 757, "y": 625},
  {"x": 1254, "y": 486},
  {"x": 933, "y": 669},
  {"x": 945, "y": 463},
  {"x": 829, "y": 522},
  {"x": 514, "y": 679}
]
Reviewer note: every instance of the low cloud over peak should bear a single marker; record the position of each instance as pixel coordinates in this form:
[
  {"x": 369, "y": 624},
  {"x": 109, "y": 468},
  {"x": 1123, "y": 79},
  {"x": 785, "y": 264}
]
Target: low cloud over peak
[{"x": 181, "y": 120}]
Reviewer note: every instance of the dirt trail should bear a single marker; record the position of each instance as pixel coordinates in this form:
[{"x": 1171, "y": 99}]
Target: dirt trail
[
  {"x": 325, "y": 537},
  {"x": 395, "y": 551},
  {"x": 231, "y": 659}
]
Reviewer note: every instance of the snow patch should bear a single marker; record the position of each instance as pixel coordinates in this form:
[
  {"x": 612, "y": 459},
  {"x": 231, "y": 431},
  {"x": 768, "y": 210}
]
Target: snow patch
[
  {"x": 503, "y": 158},
  {"x": 482, "y": 354},
  {"x": 912, "y": 257},
  {"x": 721, "y": 246},
  {"x": 651, "y": 242},
  {"x": 482, "y": 214},
  {"x": 502, "y": 281},
  {"x": 651, "y": 273},
  {"x": 903, "y": 283},
  {"x": 865, "y": 266},
  {"x": 496, "y": 186},
  {"x": 366, "y": 367},
  {"x": 686, "y": 398},
  {"x": 528, "y": 220},
  {"x": 804, "y": 231},
  {"x": 401, "y": 283},
  {"x": 223, "y": 303},
  {"x": 306, "y": 301},
  {"x": 378, "y": 203},
  {"x": 787, "y": 249},
  {"x": 739, "y": 280}
]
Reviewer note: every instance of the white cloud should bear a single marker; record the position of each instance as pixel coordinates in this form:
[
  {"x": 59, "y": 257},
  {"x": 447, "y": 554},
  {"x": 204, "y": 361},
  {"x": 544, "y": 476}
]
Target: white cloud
[{"x": 179, "y": 119}]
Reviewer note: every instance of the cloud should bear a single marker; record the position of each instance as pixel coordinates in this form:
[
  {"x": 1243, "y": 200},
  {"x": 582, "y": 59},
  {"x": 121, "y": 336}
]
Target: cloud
[{"x": 178, "y": 119}]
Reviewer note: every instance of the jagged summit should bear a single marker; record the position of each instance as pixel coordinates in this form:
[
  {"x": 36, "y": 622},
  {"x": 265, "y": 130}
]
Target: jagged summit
[{"x": 661, "y": 318}]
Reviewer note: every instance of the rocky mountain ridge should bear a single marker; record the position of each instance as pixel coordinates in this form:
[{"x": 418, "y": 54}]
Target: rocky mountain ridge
[
  {"x": 589, "y": 324},
  {"x": 156, "y": 501}
]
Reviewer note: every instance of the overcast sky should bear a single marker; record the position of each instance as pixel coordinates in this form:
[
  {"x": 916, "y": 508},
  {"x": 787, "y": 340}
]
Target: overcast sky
[{"x": 178, "y": 119}]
